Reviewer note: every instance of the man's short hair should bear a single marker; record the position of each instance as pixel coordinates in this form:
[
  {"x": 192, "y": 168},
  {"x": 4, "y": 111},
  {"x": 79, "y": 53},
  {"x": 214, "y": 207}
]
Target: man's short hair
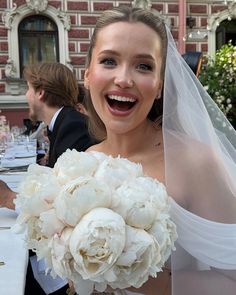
[{"x": 57, "y": 81}]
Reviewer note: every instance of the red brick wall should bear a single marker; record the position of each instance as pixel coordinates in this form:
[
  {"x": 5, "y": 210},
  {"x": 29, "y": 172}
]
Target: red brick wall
[
  {"x": 15, "y": 117},
  {"x": 83, "y": 15}
]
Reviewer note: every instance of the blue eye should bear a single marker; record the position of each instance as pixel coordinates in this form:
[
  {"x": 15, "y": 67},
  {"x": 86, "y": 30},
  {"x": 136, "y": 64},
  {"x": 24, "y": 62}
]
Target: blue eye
[
  {"x": 144, "y": 67},
  {"x": 108, "y": 62}
]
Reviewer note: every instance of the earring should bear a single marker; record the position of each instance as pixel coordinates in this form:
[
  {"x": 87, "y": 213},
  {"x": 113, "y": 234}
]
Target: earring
[
  {"x": 86, "y": 85},
  {"x": 158, "y": 96}
]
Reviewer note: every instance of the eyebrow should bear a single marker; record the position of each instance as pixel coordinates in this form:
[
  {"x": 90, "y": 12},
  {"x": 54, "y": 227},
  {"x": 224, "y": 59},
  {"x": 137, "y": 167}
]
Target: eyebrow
[{"x": 141, "y": 55}]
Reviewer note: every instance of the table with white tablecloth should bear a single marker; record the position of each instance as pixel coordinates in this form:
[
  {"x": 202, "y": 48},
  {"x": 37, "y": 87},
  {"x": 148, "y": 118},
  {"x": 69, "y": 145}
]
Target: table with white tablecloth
[
  {"x": 13, "y": 256},
  {"x": 13, "y": 252}
]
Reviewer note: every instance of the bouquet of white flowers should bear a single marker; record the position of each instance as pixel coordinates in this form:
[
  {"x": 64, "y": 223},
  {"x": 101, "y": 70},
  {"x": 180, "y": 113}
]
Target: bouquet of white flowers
[{"x": 96, "y": 220}]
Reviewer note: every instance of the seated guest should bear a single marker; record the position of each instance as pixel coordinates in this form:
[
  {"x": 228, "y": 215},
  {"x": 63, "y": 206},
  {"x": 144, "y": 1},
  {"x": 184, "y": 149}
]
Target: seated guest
[
  {"x": 30, "y": 126},
  {"x": 52, "y": 95},
  {"x": 80, "y": 105},
  {"x": 40, "y": 134}
]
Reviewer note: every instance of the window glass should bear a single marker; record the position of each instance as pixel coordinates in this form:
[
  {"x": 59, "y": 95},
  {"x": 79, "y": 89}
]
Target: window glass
[
  {"x": 38, "y": 40},
  {"x": 226, "y": 32}
]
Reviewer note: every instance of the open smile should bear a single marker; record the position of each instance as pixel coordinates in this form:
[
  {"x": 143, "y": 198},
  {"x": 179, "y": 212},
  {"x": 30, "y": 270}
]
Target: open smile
[{"x": 120, "y": 105}]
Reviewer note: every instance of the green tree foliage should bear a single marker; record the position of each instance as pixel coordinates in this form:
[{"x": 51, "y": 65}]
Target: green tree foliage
[{"x": 219, "y": 79}]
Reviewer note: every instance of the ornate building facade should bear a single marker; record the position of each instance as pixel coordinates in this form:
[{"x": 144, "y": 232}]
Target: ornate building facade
[{"x": 60, "y": 30}]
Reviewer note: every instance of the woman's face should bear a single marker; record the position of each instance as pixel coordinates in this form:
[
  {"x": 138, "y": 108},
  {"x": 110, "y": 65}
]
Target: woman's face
[{"x": 124, "y": 74}]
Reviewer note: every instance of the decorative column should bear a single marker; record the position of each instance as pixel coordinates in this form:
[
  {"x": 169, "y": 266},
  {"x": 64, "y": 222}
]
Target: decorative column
[{"x": 182, "y": 26}]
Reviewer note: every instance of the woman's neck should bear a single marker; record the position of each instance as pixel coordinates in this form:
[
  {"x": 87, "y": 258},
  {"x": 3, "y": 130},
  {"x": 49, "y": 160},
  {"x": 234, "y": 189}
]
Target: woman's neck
[
  {"x": 144, "y": 146},
  {"x": 134, "y": 143}
]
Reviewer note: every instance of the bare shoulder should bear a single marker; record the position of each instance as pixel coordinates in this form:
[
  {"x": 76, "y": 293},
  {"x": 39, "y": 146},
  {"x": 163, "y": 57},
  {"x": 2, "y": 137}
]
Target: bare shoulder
[
  {"x": 95, "y": 148},
  {"x": 205, "y": 161},
  {"x": 192, "y": 153},
  {"x": 184, "y": 163},
  {"x": 200, "y": 179}
]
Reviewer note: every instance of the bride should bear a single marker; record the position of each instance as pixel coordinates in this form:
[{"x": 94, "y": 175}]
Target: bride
[{"x": 132, "y": 66}]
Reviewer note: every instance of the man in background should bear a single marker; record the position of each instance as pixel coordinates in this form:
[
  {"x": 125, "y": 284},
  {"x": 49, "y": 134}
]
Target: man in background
[
  {"x": 80, "y": 105},
  {"x": 52, "y": 95}
]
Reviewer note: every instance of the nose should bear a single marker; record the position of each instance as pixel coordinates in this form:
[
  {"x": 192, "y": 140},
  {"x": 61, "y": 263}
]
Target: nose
[{"x": 124, "y": 79}]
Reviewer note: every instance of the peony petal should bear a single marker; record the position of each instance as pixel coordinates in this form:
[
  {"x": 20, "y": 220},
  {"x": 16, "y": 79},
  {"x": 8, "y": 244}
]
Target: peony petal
[
  {"x": 79, "y": 197},
  {"x": 136, "y": 262},
  {"x": 50, "y": 224},
  {"x": 96, "y": 242},
  {"x": 118, "y": 171},
  {"x": 73, "y": 164},
  {"x": 140, "y": 201}
]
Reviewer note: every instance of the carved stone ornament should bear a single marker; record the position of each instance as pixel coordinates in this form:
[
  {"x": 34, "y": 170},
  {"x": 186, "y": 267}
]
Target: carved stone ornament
[
  {"x": 37, "y": 5},
  {"x": 10, "y": 70},
  {"x": 8, "y": 16},
  {"x": 215, "y": 19},
  {"x": 146, "y": 4},
  {"x": 65, "y": 19}
]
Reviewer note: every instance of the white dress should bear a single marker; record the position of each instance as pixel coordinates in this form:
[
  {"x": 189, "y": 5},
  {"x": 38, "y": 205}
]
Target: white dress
[
  {"x": 205, "y": 260},
  {"x": 212, "y": 243}
]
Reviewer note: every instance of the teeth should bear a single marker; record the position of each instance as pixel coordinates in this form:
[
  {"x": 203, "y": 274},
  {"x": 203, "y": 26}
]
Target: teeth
[{"x": 121, "y": 98}]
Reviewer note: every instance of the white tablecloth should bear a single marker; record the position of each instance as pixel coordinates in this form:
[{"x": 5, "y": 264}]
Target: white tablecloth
[
  {"x": 19, "y": 154},
  {"x": 14, "y": 254},
  {"x": 12, "y": 248},
  {"x": 12, "y": 179}
]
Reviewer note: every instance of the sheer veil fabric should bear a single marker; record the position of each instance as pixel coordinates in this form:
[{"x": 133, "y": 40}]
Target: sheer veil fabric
[{"x": 200, "y": 164}]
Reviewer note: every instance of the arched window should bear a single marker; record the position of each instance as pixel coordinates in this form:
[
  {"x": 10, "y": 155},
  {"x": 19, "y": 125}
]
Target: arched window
[
  {"x": 225, "y": 32},
  {"x": 221, "y": 28},
  {"x": 38, "y": 40}
]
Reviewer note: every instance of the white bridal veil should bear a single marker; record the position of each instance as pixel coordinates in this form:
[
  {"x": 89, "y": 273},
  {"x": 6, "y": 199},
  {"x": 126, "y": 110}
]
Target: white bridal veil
[{"x": 200, "y": 163}]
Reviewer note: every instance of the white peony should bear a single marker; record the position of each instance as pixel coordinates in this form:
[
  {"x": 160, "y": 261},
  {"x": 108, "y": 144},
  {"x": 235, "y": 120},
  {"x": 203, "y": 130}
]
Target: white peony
[
  {"x": 42, "y": 249},
  {"x": 33, "y": 229},
  {"x": 37, "y": 241},
  {"x": 72, "y": 164},
  {"x": 139, "y": 260},
  {"x": 96, "y": 220},
  {"x": 116, "y": 171},
  {"x": 99, "y": 156},
  {"x": 96, "y": 243},
  {"x": 140, "y": 201},
  {"x": 38, "y": 191},
  {"x": 79, "y": 196},
  {"x": 50, "y": 224},
  {"x": 61, "y": 256},
  {"x": 164, "y": 231}
]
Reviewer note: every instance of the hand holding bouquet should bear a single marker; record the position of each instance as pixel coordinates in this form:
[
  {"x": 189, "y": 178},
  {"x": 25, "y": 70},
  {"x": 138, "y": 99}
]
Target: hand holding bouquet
[{"x": 97, "y": 221}]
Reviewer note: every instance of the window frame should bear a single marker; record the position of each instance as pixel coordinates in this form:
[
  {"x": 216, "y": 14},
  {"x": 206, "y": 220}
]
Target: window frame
[
  {"x": 12, "y": 20},
  {"x": 39, "y": 34}
]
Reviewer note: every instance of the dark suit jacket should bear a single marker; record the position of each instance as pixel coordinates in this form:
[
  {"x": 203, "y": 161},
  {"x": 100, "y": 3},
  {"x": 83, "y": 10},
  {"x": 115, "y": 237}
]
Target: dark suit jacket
[{"x": 69, "y": 132}]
